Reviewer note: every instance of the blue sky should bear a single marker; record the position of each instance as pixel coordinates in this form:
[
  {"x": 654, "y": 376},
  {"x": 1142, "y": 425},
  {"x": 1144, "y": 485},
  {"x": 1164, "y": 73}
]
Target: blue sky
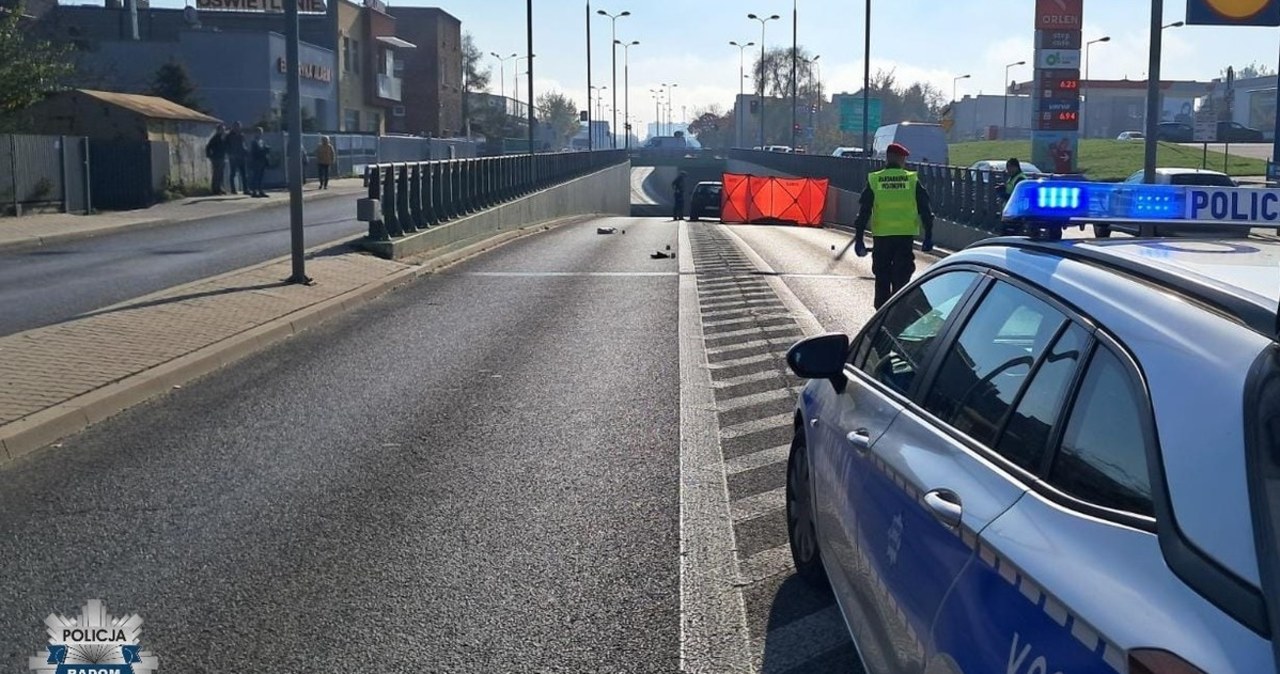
[{"x": 686, "y": 42}]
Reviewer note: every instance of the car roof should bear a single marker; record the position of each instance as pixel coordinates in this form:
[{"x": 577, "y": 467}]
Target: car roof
[
  {"x": 1177, "y": 171},
  {"x": 1186, "y": 310},
  {"x": 715, "y": 183}
]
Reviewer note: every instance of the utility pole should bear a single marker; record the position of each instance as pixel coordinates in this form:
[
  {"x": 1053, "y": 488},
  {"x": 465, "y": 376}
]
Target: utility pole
[
  {"x": 1153, "y": 93},
  {"x": 293, "y": 118},
  {"x": 591, "y": 138},
  {"x": 795, "y": 46},
  {"x": 529, "y": 25}
]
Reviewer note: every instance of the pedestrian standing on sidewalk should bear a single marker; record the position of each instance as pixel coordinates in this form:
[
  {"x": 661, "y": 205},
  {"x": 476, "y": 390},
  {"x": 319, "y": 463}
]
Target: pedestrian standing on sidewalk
[
  {"x": 236, "y": 156},
  {"x": 216, "y": 151},
  {"x": 324, "y": 161},
  {"x": 896, "y": 204},
  {"x": 259, "y": 152}
]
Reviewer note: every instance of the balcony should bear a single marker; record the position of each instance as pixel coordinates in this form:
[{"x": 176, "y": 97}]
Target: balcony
[{"x": 389, "y": 87}]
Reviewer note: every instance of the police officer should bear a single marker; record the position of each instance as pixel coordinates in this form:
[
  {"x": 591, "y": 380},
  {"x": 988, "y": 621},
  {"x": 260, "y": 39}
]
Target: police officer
[
  {"x": 677, "y": 194},
  {"x": 896, "y": 204},
  {"x": 1013, "y": 170}
]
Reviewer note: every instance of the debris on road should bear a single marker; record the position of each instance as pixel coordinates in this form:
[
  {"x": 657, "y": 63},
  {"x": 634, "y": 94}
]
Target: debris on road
[
  {"x": 606, "y": 230},
  {"x": 659, "y": 255}
]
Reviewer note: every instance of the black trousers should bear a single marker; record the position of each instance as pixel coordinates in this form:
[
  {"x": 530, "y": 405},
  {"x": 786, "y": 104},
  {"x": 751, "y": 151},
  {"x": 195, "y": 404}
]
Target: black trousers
[
  {"x": 256, "y": 172},
  {"x": 893, "y": 261},
  {"x": 219, "y": 169},
  {"x": 324, "y": 175},
  {"x": 238, "y": 169},
  {"x": 677, "y": 210}
]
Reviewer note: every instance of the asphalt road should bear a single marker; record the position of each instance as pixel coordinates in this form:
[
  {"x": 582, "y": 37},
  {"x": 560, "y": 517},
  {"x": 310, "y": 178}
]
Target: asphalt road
[
  {"x": 480, "y": 472},
  {"x": 55, "y": 283},
  {"x": 477, "y": 473}
]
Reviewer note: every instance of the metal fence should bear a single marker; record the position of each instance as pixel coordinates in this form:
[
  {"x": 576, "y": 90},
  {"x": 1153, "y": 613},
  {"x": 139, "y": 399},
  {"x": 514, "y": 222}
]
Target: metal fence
[
  {"x": 353, "y": 152},
  {"x": 44, "y": 173},
  {"x": 417, "y": 195},
  {"x": 957, "y": 194}
]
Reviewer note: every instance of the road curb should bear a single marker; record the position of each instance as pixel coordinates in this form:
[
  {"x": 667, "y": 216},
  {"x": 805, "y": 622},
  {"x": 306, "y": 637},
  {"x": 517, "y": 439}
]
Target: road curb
[
  {"x": 40, "y": 429},
  {"x": 66, "y": 237}
]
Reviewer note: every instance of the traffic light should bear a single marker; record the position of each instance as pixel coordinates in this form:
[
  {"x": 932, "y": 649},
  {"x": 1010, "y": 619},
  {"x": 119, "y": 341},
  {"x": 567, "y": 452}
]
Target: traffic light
[
  {"x": 582, "y": 115},
  {"x": 755, "y": 107},
  {"x": 795, "y": 128}
]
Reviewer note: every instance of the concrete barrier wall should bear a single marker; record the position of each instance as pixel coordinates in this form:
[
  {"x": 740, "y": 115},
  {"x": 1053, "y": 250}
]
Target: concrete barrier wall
[
  {"x": 842, "y": 209},
  {"x": 606, "y": 192}
]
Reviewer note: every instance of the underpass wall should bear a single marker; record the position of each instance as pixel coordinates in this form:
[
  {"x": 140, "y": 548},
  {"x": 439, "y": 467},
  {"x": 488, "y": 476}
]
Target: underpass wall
[
  {"x": 605, "y": 192},
  {"x": 842, "y": 210}
]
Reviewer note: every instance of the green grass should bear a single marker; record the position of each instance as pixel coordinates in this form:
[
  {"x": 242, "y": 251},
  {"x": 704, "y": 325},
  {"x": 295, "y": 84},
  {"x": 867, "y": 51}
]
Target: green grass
[{"x": 1102, "y": 159}]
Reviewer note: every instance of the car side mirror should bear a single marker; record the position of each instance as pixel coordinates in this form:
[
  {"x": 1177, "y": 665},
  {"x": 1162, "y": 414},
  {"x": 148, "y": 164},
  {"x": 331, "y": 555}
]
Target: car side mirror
[{"x": 820, "y": 357}]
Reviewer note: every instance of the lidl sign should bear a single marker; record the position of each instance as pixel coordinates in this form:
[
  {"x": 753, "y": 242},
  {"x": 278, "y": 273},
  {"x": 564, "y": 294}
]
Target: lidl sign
[{"x": 1233, "y": 12}]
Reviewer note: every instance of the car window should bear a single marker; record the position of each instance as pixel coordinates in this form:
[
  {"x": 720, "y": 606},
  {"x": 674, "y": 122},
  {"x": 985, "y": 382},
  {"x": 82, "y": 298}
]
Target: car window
[
  {"x": 901, "y": 341},
  {"x": 1135, "y": 178},
  {"x": 1209, "y": 179},
  {"x": 1026, "y": 434},
  {"x": 988, "y": 365},
  {"x": 1103, "y": 457}
]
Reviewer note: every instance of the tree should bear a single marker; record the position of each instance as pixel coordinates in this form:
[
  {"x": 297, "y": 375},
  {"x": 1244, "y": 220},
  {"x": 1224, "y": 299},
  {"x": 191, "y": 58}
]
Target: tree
[
  {"x": 777, "y": 73},
  {"x": 560, "y": 113},
  {"x": 713, "y": 128},
  {"x": 1251, "y": 71},
  {"x": 172, "y": 83},
  {"x": 29, "y": 68},
  {"x": 473, "y": 77}
]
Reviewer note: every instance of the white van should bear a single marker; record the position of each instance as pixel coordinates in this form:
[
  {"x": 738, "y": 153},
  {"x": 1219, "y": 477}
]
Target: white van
[{"x": 927, "y": 143}]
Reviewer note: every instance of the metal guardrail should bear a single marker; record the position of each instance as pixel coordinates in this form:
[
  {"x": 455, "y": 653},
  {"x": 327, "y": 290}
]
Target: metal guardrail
[
  {"x": 409, "y": 197},
  {"x": 956, "y": 194}
]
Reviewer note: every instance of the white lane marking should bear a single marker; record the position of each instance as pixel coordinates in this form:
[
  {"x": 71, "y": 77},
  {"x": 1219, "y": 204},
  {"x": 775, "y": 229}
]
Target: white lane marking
[
  {"x": 764, "y": 457},
  {"x": 754, "y": 399},
  {"x": 766, "y": 564},
  {"x": 809, "y": 325},
  {"x": 710, "y": 307},
  {"x": 535, "y": 274},
  {"x": 746, "y": 360},
  {"x": 753, "y": 344},
  {"x": 758, "y": 505},
  {"x": 756, "y": 425},
  {"x": 713, "y": 619},
  {"x": 754, "y": 377},
  {"x": 754, "y": 318},
  {"x": 747, "y": 332},
  {"x": 786, "y": 648}
]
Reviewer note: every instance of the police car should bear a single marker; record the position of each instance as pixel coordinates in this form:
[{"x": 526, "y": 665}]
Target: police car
[{"x": 1054, "y": 456}]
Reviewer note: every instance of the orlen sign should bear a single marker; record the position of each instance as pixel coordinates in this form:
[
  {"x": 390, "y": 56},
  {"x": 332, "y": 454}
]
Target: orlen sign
[
  {"x": 1059, "y": 14},
  {"x": 261, "y": 6}
]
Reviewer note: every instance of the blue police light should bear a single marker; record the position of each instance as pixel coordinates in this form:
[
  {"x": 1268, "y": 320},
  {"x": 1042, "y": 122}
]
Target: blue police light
[{"x": 1065, "y": 203}]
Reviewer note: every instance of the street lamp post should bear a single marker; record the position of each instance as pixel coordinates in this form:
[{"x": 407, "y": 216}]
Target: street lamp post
[
  {"x": 671, "y": 122},
  {"x": 760, "y": 77},
  {"x": 613, "y": 48},
  {"x": 955, "y": 81},
  {"x": 1153, "y": 92},
  {"x": 517, "y": 74},
  {"x": 809, "y": 63},
  {"x": 795, "y": 51},
  {"x": 742, "y": 87},
  {"x": 502, "y": 72},
  {"x": 1005, "y": 129},
  {"x": 1084, "y": 85},
  {"x": 626, "y": 87}
]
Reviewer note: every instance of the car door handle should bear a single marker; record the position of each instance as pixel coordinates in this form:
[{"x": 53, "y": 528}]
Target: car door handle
[
  {"x": 860, "y": 439},
  {"x": 945, "y": 506}
]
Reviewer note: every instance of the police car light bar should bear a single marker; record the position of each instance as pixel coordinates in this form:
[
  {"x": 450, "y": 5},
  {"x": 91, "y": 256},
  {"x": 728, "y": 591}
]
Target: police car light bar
[{"x": 1067, "y": 203}]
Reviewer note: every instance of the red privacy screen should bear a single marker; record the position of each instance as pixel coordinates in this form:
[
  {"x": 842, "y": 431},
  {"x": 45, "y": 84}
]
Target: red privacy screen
[{"x": 752, "y": 199}]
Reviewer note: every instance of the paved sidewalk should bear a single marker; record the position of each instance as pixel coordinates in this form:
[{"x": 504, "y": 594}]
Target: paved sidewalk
[
  {"x": 47, "y": 228},
  {"x": 58, "y": 379}
]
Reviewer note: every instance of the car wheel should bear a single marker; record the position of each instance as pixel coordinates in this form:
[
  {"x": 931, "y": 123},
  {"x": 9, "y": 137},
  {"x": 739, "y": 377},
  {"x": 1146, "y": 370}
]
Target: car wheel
[
  {"x": 801, "y": 527},
  {"x": 693, "y": 218}
]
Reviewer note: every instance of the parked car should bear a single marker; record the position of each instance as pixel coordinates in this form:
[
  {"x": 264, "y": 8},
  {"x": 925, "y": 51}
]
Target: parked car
[
  {"x": 926, "y": 142},
  {"x": 1235, "y": 132},
  {"x": 1131, "y": 135},
  {"x": 704, "y": 201},
  {"x": 1034, "y": 453},
  {"x": 1175, "y": 132},
  {"x": 993, "y": 170},
  {"x": 848, "y": 152},
  {"x": 1185, "y": 176}
]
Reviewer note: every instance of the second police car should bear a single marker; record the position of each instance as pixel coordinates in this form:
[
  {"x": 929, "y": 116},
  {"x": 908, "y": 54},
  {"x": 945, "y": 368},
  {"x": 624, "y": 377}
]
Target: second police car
[{"x": 1056, "y": 456}]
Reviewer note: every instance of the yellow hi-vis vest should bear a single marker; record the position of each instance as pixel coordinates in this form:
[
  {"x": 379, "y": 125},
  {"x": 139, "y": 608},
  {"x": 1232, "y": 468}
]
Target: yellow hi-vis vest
[{"x": 894, "y": 211}]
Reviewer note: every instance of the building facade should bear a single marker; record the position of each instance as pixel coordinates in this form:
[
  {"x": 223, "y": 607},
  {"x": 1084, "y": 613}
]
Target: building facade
[
  {"x": 432, "y": 71},
  {"x": 372, "y": 60}
]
